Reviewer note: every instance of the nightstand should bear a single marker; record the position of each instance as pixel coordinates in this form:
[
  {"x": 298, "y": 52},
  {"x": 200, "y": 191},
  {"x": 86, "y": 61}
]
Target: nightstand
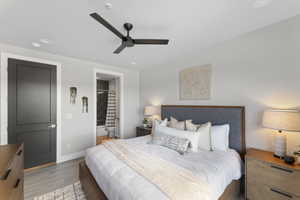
[
  {"x": 142, "y": 131},
  {"x": 268, "y": 177}
]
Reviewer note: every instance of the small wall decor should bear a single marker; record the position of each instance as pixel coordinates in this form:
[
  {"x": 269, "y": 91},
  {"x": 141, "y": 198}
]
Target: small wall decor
[
  {"x": 195, "y": 83},
  {"x": 85, "y": 105},
  {"x": 73, "y": 95}
]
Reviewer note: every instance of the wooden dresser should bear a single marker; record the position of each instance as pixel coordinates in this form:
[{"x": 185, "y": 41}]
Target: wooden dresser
[
  {"x": 11, "y": 172},
  {"x": 268, "y": 177}
]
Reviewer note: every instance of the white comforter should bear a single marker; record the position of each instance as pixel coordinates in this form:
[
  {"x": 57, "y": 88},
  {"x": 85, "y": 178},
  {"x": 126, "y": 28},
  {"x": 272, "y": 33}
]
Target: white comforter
[{"x": 119, "y": 182}]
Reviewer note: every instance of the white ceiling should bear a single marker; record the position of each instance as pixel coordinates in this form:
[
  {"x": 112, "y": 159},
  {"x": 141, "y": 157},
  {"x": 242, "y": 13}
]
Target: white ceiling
[{"x": 190, "y": 26}]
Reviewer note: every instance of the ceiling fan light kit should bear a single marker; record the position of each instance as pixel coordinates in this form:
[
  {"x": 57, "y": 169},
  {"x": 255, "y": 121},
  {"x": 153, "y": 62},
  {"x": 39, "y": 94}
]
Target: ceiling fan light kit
[{"x": 127, "y": 41}]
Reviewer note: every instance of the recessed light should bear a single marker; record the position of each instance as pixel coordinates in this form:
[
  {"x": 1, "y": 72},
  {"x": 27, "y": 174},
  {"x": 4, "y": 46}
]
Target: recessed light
[
  {"x": 108, "y": 6},
  {"x": 35, "y": 44},
  {"x": 133, "y": 63},
  {"x": 45, "y": 41}
]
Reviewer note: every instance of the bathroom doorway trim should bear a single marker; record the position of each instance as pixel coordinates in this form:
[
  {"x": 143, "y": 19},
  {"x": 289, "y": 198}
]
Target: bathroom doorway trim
[{"x": 121, "y": 99}]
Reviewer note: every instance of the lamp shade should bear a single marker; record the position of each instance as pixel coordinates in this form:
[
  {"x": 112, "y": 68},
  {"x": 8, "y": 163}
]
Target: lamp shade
[
  {"x": 283, "y": 120},
  {"x": 151, "y": 110}
]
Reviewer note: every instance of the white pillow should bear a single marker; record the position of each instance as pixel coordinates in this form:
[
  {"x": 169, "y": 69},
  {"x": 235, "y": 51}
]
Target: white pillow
[
  {"x": 204, "y": 141},
  {"x": 205, "y": 138},
  {"x": 174, "y": 123},
  {"x": 220, "y": 137}
]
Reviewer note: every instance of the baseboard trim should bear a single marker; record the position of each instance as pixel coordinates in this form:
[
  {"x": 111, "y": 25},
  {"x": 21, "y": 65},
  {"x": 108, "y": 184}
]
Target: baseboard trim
[
  {"x": 71, "y": 156},
  {"x": 40, "y": 167}
]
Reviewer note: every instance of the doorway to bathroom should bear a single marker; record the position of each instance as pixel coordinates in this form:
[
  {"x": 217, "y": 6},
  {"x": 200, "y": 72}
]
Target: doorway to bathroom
[{"x": 108, "y": 106}]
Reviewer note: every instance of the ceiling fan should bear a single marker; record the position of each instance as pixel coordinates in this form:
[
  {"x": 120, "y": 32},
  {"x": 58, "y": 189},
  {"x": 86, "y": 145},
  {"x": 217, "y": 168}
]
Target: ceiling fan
[{"x": 127, "y": 41}]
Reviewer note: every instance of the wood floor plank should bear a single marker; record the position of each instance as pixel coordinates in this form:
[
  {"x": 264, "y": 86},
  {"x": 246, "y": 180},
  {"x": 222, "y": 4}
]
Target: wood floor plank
[{"x": 43, "y": 180}]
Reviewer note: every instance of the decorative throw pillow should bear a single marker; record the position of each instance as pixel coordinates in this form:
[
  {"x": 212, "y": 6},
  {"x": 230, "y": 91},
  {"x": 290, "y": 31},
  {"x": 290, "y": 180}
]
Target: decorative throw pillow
[
  {"x": 172, "y": 142},
  {"x": 174, "y": 123},
  {"x": 220, "y": 137},
  {"x": 164, "y": 122},
  {"x": 159, "y": 123},
  {"x": 190, "y": 126},
  {"x": 193, "y": 137},
  {"x": 205, "y": 137}
]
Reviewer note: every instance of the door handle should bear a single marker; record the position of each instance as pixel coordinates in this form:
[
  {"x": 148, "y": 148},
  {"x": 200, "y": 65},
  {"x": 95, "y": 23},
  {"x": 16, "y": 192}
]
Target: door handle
[{"x": 52, "y": 126}]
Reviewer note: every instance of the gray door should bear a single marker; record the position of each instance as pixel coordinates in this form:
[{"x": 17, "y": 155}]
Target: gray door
[{"x": 32, "y": 110}]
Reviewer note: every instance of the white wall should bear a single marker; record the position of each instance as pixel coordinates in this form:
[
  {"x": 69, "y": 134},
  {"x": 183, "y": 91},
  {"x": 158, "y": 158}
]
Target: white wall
[
  {"x": 258, "y": 70},
  {"x": 77, "y": 133}
]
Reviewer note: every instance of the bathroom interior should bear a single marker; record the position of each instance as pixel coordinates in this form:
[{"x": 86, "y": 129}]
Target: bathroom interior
[{"x": 108, "y": 90}]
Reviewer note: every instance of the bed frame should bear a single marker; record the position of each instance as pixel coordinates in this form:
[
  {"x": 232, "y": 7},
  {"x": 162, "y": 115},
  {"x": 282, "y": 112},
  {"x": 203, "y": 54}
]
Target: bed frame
[{"x": 234, "y": 115}]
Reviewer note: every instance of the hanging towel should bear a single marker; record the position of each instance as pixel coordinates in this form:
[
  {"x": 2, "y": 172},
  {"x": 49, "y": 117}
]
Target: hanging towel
[{"x": 110, "y": 122}]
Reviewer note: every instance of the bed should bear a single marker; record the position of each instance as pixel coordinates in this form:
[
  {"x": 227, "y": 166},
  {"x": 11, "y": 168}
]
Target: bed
[{"x": 104, "y": 176}]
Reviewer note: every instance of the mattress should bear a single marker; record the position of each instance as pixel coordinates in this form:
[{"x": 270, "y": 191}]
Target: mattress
[{"x": 119, "y": 182}]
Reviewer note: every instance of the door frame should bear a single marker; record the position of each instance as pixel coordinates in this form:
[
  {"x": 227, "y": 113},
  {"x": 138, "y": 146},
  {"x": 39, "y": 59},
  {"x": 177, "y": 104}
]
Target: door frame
[
  {"x": 121, "y": 99},
  {"x": 4, "y": 97}
]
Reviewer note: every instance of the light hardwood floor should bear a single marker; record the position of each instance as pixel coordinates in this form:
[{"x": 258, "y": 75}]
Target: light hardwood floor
[
  {"x": 41, "y": 181},
  {"x": 101, "y": 139}
]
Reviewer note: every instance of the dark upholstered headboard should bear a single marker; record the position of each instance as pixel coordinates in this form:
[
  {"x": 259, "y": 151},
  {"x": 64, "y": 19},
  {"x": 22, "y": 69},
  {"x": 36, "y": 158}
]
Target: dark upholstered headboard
[{"x": 217, "y": 115}]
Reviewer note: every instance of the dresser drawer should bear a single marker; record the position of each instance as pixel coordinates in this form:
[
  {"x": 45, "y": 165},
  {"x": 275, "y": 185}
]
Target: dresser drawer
[
  {"x": 18, "y": 160},
  {"x": 15, "y": 161},
  {"x": 13, "y": 175},
  {"x": 274, "y": 175},
  {"x": 258, "y": 191},
  {"x": 17, "y": 191}
]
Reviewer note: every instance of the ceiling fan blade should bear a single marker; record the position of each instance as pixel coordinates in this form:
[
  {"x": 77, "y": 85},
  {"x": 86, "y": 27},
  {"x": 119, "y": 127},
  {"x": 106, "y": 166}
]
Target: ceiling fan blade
[
  {"x": 151, "y": 41},
  {"x": 98, "y": 18},
  {"x": 120, "y": 48}
]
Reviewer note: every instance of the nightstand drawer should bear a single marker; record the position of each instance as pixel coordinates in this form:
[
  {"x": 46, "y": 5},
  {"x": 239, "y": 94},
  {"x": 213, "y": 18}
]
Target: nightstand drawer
[
  {"x": 285, "y": 179},
  {"x": 141, "y": 131},
  {"x": 257, "y": 191}
]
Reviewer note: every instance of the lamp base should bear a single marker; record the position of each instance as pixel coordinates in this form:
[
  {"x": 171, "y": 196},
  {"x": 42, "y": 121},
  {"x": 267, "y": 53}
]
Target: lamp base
[{"x": 280, "y": 145}]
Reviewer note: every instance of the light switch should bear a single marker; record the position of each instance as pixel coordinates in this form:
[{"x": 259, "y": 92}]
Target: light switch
[{"x": 69, "y": 116}]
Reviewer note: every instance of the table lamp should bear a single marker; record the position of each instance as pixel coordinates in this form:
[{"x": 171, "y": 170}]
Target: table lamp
[
  {"x": 150, "y": 111},
  {"x": 281, "y": 120}
]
